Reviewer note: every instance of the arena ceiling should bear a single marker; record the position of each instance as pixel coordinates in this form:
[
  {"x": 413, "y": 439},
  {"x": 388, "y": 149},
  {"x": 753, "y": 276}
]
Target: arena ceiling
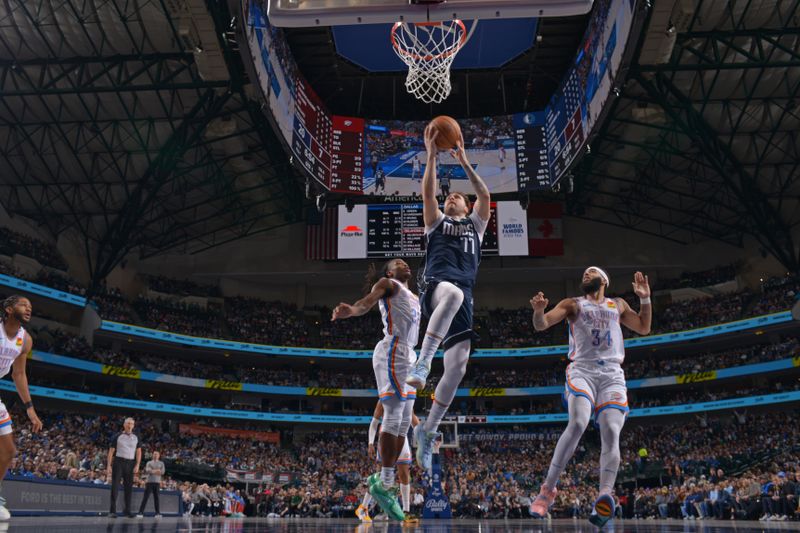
[
  {"x": 133, "y": 124},
  {"x": 702, "y": 142}
]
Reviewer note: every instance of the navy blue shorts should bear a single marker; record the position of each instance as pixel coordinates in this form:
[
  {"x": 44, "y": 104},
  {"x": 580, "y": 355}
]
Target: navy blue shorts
[{"x": 461, "y": 327}]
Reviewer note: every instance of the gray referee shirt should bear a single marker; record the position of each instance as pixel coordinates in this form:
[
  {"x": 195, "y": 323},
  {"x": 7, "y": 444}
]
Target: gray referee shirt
[{"x": 125, "y": 445}]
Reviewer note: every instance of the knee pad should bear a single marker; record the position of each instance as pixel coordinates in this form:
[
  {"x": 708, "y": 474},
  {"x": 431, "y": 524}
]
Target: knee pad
[
  {"x": 392, "y": 418},
  {"x": 405, "y": 422}
]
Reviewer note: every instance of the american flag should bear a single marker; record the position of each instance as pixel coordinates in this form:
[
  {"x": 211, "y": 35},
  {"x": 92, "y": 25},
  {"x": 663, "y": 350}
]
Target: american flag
[{"x": 321, "y": 234}]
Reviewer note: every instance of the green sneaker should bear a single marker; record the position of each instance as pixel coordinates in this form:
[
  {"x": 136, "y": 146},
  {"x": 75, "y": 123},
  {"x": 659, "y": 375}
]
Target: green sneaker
[{"x": 387, "y": 499}]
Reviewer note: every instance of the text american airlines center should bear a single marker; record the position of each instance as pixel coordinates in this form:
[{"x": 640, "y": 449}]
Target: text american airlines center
[{"x": 512, "y": 231}]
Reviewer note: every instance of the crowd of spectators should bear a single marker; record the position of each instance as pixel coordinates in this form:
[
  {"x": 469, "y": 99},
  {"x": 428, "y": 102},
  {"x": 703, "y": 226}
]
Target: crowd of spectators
[
  {"x": 703, "y": 278},
  {"x": 733, "y": 464},
  {"x": 258, "y": 321},
  {"x": 12, "y": 242},
  {"x": 180, "y": 317},
  {"x": 479, "y": 373}
]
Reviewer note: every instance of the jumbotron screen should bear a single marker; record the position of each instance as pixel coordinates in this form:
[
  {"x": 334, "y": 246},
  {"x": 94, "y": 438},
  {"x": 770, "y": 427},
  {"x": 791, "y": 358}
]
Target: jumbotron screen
[{"x": 521, "y": 152}]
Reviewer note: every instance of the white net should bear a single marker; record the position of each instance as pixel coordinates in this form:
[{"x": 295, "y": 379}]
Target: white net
[{"x": 429, "y": 50}]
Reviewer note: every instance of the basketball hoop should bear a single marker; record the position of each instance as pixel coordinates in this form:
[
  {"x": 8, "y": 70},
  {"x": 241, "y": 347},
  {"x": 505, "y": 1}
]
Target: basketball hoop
[{"x": 429, "y": 48}]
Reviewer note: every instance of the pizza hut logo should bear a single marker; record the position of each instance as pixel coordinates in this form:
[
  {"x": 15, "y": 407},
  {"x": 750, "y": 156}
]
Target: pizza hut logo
[{"x": 351, "y": 231}]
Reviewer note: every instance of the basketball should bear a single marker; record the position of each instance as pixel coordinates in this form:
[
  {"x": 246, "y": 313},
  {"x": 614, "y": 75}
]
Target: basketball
[{"x": 449, "y": 132}]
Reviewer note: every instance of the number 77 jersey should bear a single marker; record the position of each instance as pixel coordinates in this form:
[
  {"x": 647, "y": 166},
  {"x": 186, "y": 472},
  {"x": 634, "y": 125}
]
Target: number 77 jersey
[
  {"x": 595, "y": 333},
  {"x": 453, "y": 250}
]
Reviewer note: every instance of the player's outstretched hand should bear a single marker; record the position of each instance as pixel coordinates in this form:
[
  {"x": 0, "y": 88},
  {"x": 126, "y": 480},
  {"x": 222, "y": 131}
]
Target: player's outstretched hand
[
  {"x": 539, "y": 302},
  {"x": 430, "y": 139},
  {"x": 641, "y": 285},
  {"x": 342, "y": 310}
]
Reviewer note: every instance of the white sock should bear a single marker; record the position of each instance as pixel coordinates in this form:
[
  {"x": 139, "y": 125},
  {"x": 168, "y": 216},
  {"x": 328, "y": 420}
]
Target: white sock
[
  {"x": 405, "y": 496},
  {"x": 445, "y": 302},
  {"x": 611, "y": 422},
  {"x": 580, "y": 410},
  {"x": 387, "y": 476},
  {"x": 367, "y": 500},
  {"x": 456, "y": 358},
  {"x": 435, "y": 416}
]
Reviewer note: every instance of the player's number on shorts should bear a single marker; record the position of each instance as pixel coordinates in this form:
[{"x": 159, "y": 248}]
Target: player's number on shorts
[
  {"x": 469, "y": 245},
  {"x": 600, "y": 339}
]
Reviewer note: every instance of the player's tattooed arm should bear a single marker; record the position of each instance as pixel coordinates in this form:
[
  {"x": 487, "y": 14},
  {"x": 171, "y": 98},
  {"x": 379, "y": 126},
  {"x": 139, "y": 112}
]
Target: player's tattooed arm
[
  {"x": 541, "y": 321},
  {"x": 382, "y": 289},
  {"x": 482, "y": 204}
]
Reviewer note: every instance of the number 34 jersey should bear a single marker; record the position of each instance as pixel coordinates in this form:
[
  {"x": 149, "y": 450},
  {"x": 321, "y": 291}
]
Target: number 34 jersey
[{"x": 595, "y": 332}]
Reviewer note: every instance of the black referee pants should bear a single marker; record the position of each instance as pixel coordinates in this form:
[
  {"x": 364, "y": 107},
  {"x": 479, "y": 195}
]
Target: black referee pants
[
  {"x": 150, "y": 488},
  {"x": 122, "y": 468}
]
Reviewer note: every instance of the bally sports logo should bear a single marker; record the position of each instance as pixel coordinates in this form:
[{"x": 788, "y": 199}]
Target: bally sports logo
[{"x": 351, "y": 231}]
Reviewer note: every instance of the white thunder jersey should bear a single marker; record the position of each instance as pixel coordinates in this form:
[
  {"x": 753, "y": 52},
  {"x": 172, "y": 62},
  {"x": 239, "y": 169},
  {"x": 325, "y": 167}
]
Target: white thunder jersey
[
  {"x": 401, "y": 315},
  {"x": 595, "y": 333},
  {"x": 10, "y": 348}
]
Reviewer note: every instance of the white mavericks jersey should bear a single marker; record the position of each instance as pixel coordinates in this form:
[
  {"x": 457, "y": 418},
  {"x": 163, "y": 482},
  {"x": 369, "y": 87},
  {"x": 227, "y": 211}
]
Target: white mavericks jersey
[
  {"x": 10, "y": 348},
  {"x": 401, "y": 315},
  {"x": 595, "y": 333}
]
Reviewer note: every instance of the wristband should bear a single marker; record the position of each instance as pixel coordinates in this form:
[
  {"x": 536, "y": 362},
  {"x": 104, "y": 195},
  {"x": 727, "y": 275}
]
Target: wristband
[
  {"x": 644, "y": 301},
  {"x": 28, "y": 405}
]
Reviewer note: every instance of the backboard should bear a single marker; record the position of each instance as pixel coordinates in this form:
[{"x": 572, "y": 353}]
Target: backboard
[{"x": 306, "y": 13}]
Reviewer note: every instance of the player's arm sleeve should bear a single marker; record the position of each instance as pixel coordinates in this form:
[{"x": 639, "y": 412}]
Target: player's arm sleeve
[
  {"x": 373, "y": 430},
  {"x": 439, "y": 218},
  {"x": 480, "y": 224}
]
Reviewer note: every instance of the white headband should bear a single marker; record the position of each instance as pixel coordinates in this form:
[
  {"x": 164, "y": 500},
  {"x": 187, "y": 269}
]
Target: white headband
[{"x": 602, "y": 273}]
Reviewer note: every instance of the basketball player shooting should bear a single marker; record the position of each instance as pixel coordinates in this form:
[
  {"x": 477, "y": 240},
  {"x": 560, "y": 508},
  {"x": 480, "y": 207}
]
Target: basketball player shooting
[
  {"x": 451, "y": 265},
  {"x": 595, "y": 380},
  {"x": 392, "y": 359}
]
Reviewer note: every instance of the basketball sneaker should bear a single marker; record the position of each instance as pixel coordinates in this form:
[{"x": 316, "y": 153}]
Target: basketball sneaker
[
  {"x": 416, "y": 378},
  {"x": 363, "y": 514},
  {"x": 4, "y": 513},
  {"x": 541, "y": 504},
  {"x": 603, "y": 510},
  {"x": 410, "y": 519},
  {"x": 425, "y": 441},
  {"x": 386, "y": 498}
]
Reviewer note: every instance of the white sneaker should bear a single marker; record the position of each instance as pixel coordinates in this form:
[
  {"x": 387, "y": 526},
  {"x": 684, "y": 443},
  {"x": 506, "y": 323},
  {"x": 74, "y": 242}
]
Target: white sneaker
[
  {"x": 764, "y": 517},
  {"x": 783, "y": 518},
  {"x": 4, "y": 513},
  {"x": 140, "y": 515}
]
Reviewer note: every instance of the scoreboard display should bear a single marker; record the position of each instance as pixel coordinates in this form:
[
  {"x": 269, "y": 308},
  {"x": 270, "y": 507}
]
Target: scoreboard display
[
  {"x": 398, "y": 230},
  {"x": 347, "y": 155},
  {"x": 311, "y": 132},
  {"x": 533, "y": 171}
]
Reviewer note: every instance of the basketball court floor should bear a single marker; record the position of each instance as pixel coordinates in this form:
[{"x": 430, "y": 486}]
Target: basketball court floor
[{"x": 253, "y": 525}]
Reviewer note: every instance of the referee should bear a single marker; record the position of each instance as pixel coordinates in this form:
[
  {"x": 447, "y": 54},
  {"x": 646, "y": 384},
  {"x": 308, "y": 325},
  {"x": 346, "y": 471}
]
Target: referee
[{"x": 124, "y": 457}]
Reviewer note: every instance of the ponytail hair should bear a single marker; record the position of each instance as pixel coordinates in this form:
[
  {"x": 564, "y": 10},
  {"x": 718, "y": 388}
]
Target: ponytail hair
[
  {"x": 375, "y": 273},
  {"x": 11, "y": 301}
]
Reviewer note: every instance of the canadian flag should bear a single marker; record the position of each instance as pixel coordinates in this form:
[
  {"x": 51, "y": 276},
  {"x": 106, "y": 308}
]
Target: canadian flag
[{"x": 545, "y": 235}]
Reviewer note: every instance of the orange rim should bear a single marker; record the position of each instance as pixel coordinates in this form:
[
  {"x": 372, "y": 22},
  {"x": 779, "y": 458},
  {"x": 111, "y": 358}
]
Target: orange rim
[{"x": 429, "y": 57}]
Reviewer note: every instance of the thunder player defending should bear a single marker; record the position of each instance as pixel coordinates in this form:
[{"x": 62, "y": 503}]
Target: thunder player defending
[
  {"x": 403, "y": 460},
  {"x": 595, "y": 380},
  {"x": 14, "y": 342},
  {"x": 391, "y": 360},
  {"x": 451, "y": 265}
]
